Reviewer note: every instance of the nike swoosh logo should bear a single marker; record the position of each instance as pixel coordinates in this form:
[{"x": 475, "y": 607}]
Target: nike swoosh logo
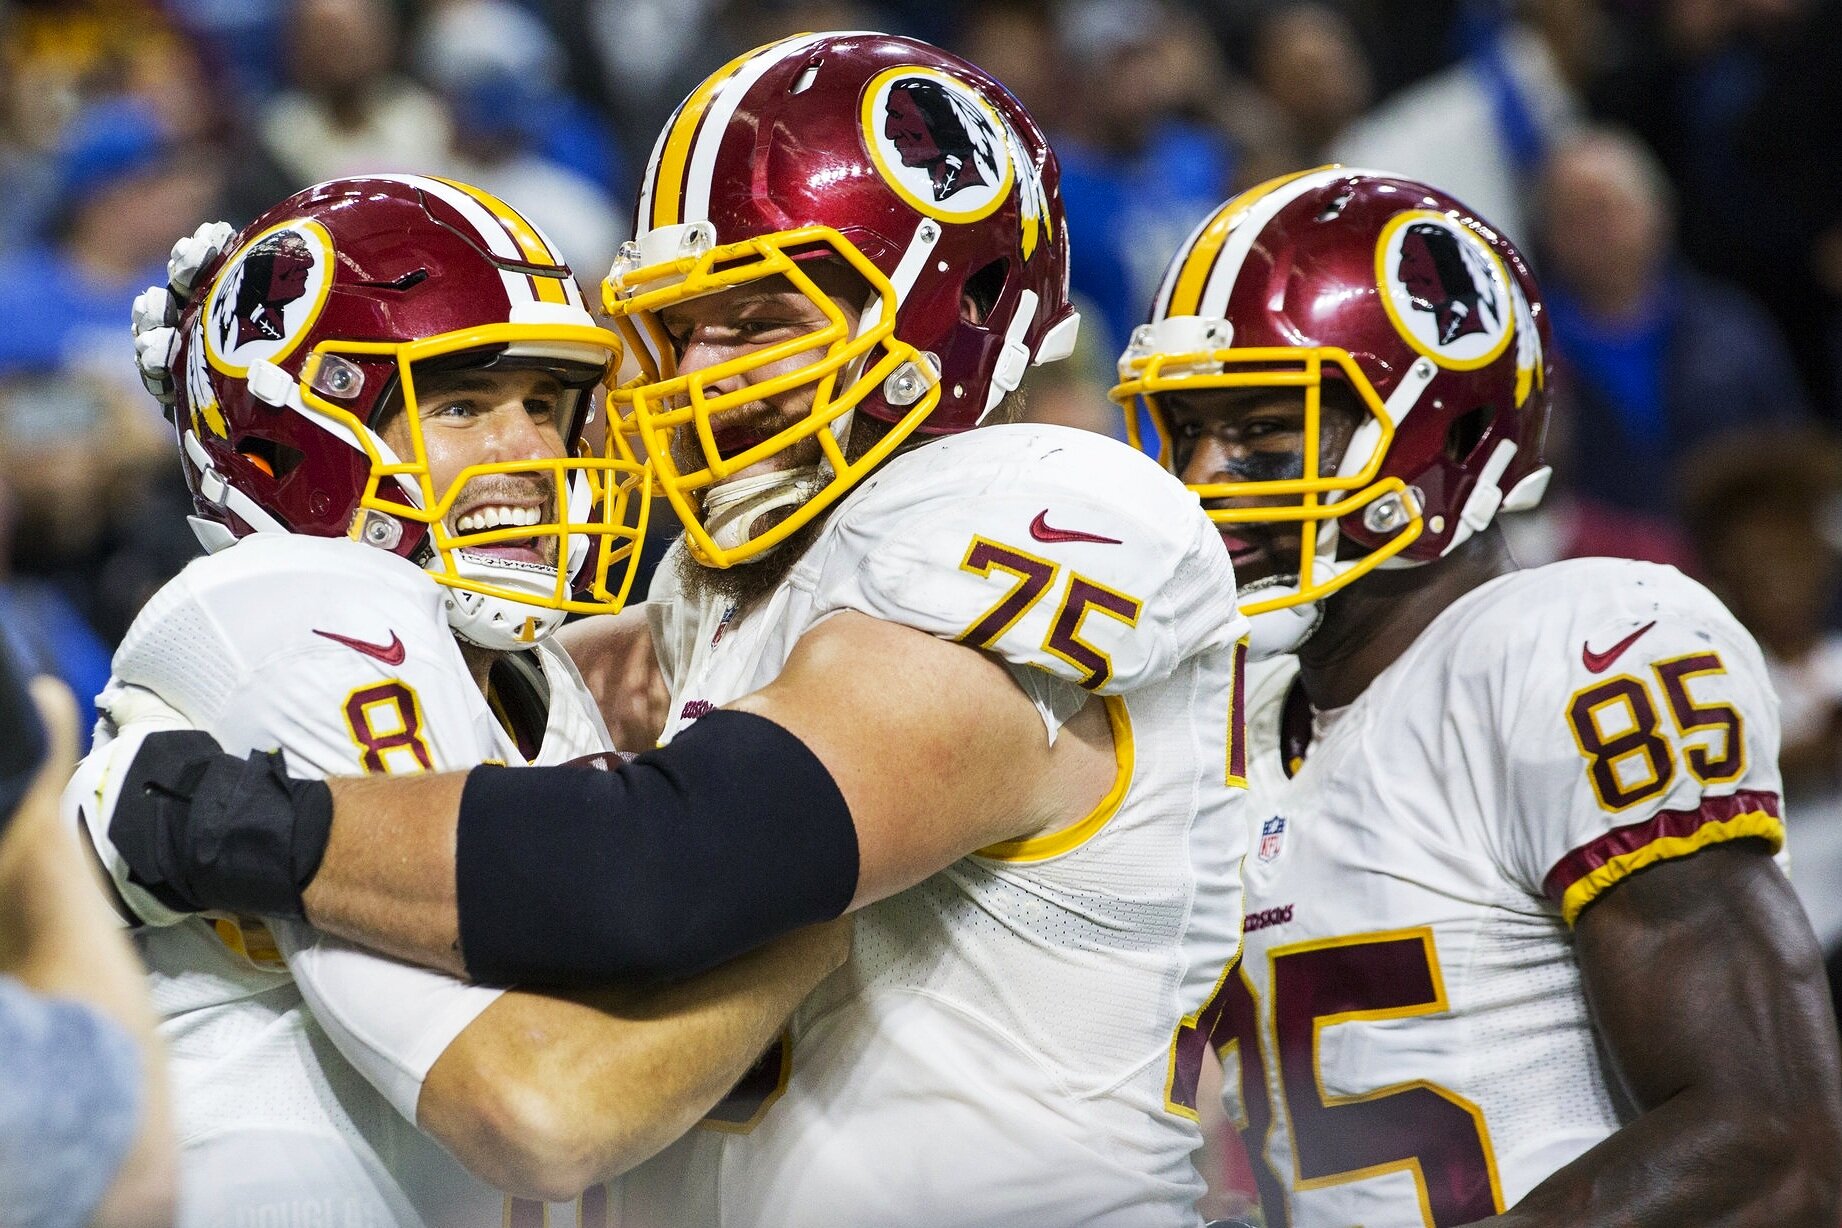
[
  {"x": 390, "y": 654},
  {"x": 1040, "y": 530},
  {"x": 1599, "y": 662}
]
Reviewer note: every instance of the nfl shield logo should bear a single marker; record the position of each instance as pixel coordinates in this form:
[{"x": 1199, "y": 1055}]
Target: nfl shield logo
[{"x": 1271, "y": 833}]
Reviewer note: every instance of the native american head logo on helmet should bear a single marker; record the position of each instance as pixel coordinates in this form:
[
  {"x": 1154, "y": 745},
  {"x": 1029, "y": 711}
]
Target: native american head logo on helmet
[
  {"x": 933, "y": 127},
  {"x": 273, "y": 274},
  {"x": 1405, "y": 335},
  {"x": 905, "y": 205},
  {"x": 1440, "y": 279},
  {"x": 303, "y": 365}
]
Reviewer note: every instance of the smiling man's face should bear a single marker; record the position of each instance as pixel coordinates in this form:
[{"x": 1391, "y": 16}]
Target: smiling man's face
[
  {"x": 479, "y": 416},
  {"x": 1239, "y": 435},
  {"x": 736, "y": 323}
]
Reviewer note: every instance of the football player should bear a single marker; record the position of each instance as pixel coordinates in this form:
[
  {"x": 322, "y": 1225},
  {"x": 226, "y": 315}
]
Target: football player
[
  {"x": 1517, "y": 949},
  {"x": 384, "y": 469},
  {"x": 978, "y": 684}
]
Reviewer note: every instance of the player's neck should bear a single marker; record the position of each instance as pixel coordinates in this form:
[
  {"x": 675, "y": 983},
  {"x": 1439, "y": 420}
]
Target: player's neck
[
  {"x": 479, "y": 664},
  {"x": 1371, "y": 623}
]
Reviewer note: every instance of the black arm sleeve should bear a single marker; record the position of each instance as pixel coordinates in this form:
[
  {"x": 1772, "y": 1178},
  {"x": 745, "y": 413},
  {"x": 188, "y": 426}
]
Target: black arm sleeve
[{"x": 687, "y": 856}]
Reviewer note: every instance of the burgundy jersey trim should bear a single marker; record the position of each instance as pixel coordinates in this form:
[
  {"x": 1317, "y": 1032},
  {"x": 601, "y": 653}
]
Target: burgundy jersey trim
[{"x": 1579, "y": 877}]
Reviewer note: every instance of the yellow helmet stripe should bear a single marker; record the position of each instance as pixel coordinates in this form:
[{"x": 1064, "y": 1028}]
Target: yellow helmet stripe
[
  {"x": 1186, "y": 298},
  {"x": 1197, "y": 262},
  {"x": 675, "y": 156},
  {"x": 530, "y": 242}
]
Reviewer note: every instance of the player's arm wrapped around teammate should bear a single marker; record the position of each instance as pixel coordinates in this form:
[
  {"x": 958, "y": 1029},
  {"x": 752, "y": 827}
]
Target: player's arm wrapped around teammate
[{"x": 674, "y": 862}]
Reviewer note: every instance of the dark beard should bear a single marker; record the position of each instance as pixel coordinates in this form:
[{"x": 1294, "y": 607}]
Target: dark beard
[{"x": 748, "y": 584}]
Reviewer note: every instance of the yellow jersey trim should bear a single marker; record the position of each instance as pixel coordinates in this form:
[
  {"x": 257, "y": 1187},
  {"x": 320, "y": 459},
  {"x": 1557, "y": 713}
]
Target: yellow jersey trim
[
  {"x": 1054, "y": 844},
  {"x": 1752, "y": 824}
]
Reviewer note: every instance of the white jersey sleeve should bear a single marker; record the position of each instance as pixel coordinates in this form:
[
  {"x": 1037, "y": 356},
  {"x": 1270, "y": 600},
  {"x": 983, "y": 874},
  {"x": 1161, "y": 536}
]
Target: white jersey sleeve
[
  {"x": 1057, "y": 549},
  {"x": 339, "y": 656},
  {"x": 335, "y": 653},
  {"x": 1639, "y": 726}
]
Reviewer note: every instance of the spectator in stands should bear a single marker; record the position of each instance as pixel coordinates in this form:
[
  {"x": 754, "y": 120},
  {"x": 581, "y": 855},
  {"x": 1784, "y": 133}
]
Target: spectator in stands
[
  {"x": 1657, "y": 356},
  {"x": 1140, "y": 162},
  {"x": 98, "y": 513},
  {"x": 42, "y": 628},
  {"x": 122, "y": 186},
  {"x": 516, "y": 132},
  {"x": 84, "y": 1135},
  {"x": 1305, "y": 59},
  {"x": 1765, "y": 511},
  {"x": 1482, "y": 127},
  {"x": 1016, "y": 42},
  {"x": 1740, "y": 99},
  {"x": 347, "y": 110}
]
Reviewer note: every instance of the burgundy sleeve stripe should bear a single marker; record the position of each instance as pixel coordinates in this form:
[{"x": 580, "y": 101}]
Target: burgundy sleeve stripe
[{"x": 1578, "y": 878}]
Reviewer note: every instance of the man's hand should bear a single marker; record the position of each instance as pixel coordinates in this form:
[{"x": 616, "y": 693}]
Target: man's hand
[
  {"x": 129, "y": 715},
  {"x": 156, "y": 312},
  {"x": 180, "y": 827}
]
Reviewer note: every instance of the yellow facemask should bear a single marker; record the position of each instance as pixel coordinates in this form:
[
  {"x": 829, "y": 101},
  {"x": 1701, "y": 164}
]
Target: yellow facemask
[
  {"x": 1187, "y": 354},
  {"x": 606, "y": 518},
  {"x": 674, "y": 416}
]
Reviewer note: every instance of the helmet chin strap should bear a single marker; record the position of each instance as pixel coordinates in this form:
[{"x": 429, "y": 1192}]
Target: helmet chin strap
[
  {"x": 734, "y": 508},
  {"x": 1275, "y": 633},
  {"x": 1285, "y": 630},
  {"x": 493, "y": 622}
]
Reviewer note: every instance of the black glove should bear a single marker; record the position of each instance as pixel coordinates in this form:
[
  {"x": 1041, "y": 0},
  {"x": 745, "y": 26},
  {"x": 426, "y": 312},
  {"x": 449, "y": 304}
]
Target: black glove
[{"x": 200, "y": 829}]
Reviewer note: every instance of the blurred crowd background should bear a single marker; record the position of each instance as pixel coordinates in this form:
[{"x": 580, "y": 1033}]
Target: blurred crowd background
[{"x": 1667, "y": 164}]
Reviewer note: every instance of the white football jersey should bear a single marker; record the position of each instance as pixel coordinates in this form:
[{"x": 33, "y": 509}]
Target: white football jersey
[
  {"x": 339, "y": 655},
  {"x": 1407, "y": 1019},
  {"x": 998, "y": 1048}
]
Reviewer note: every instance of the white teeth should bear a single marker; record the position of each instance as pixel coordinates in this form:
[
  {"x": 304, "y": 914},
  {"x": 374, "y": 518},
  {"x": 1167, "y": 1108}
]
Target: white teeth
[{"x": 481, "y": 519}]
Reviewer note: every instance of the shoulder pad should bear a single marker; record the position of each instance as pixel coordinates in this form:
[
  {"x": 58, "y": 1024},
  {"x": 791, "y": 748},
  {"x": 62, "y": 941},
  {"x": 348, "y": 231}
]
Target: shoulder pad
[
  {"x": 1052, "y": 547},
  {"x": 270, "y": 596}
]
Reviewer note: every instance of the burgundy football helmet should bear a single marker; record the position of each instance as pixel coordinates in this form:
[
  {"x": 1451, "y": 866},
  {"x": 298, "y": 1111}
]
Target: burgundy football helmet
[
  {"x": 910, "y": 166},
  {"x": 1421, "y": 309},
  {"x": 309, "y": 329}
]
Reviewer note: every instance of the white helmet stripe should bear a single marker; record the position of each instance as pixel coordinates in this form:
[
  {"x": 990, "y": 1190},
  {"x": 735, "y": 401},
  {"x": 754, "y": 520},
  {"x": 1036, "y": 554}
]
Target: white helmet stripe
[
  {"x": 722, "y": 108},
  {"x": 1161, "y": 305},
  {"x": 518, "y": 287},
  {"x": 642, "y": 220},
  {"x": 1214, "y": 303},
  {"x": 490, "y": 229}
]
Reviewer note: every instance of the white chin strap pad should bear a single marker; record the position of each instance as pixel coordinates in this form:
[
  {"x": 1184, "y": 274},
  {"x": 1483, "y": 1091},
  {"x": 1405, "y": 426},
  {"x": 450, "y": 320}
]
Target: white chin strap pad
[
  {"x": 1278, "y": 632},
  {"x": 495, "y": 623},
  {"x": 732, "y": 509}
]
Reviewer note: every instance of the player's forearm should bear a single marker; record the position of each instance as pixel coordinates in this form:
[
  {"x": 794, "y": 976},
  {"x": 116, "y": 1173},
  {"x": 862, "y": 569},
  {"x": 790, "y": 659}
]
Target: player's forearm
[
  {"x": 1707, "y": 990},
  {"x": 688, "y": 856},
  {"x": 1697, "y": 1161},
  {"x": 614, "y": 654},
  {"x": 545, "y": 1095},
  {"x": 387, "y": 878}
]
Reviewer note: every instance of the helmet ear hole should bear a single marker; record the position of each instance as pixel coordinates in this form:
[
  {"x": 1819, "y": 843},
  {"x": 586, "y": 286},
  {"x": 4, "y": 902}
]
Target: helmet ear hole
[
  {"x": 277, "y": 460},
  {"x": 982, "y": 290},
  {"x": 1462, "y": 437}
]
